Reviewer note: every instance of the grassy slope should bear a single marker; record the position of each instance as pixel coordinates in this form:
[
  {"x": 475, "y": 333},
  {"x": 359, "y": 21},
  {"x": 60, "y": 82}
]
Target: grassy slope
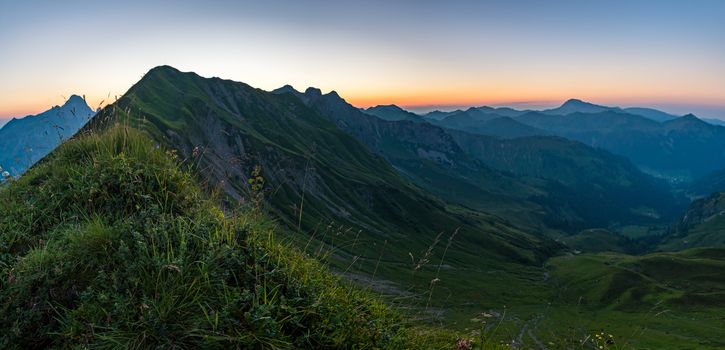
[
  {"x": 659, "y": 300},
  {"x": 377, "y": 221},
  {"x": 108, "y": 244}
]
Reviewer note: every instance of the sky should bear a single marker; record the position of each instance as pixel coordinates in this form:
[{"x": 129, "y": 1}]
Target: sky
[{"x": 419, "y": 54}]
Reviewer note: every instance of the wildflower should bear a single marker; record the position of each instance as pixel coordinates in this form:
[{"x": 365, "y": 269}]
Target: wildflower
[{"x": 464, "y": 344}]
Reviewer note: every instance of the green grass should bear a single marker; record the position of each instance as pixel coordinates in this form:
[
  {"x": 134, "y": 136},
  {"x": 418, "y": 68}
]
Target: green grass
[
  {"x": 658, "y": 300},
  {"x": 109, "y": 244}
]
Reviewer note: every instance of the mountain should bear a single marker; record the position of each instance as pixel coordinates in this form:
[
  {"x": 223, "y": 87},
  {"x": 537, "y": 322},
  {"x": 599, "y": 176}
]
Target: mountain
[
  {"x": 650, "y": 113},
  {"x": 568, "y": 107},
  {"x": 26, "y": 140},
  {"x": 316, "y": 172},
  {"x": 713, "y": 121},
  {"x": 479, "y": 121},
  {"x": 578, "y": 106},
  {"x": 439, "y": 115},
  {"x": 504, "y": 127},
  {"x": 489, "y": 121},
  {"x": 499, "y": 111},
  {"x": 595, "y": 184},
  {"x": 703, "y": 225},
  {"x": 679, "y": 150},
  {"x": 562, "y": 183},
  {"x": 427, "y": 155},
  {"x": 392, "y": 112}
]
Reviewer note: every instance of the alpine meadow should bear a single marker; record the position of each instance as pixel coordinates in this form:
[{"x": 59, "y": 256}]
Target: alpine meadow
[{"x": 464, "y": 175}]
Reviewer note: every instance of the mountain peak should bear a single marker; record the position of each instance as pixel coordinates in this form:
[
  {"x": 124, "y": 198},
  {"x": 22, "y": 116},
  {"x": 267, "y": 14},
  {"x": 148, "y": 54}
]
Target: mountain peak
[
  {"x": 286, "y": 89},
  {"x": 75, "y": 99},
  {"x": 160, "y": 71},
  {"x": 575, "y": 105},
  {"x": 576, "y": 102},
  {"x": 313, "y": 91},
  {"x": 391, "y": 112},
  {"x": 163, "y": 68}
]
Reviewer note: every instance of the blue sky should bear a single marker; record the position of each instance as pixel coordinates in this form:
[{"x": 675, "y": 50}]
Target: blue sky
[{"x": 419, "y": 54}]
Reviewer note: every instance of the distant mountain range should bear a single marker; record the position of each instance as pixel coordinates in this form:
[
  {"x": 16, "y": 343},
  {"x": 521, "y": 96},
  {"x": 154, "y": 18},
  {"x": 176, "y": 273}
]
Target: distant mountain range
[
  {"x": 676, "y": 148},
  {"x": 550, "y": 175},
  {"x": 568, "y": 107},
  {"x": 24, "y": 141}
]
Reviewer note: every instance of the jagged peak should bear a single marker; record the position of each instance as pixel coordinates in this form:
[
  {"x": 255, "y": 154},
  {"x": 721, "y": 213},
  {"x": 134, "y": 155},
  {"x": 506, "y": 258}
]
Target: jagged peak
[
  {"x": 75, "y": 99},
  {"x": 313, "y": 91},
  {"x": 334, "y": 94},
  {"x": 286, "y": 89}
]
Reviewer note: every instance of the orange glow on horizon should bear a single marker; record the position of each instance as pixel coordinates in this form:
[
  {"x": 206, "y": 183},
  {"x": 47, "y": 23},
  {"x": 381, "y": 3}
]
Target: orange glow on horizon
[
  {"x": 452, "y": 99},
  {"x": 476, "y": 100},
  {"x": 33, "y": 106}
]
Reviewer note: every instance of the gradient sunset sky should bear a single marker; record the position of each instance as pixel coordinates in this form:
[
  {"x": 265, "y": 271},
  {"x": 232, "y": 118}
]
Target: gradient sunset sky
[{"x": 417, "y": 54}]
